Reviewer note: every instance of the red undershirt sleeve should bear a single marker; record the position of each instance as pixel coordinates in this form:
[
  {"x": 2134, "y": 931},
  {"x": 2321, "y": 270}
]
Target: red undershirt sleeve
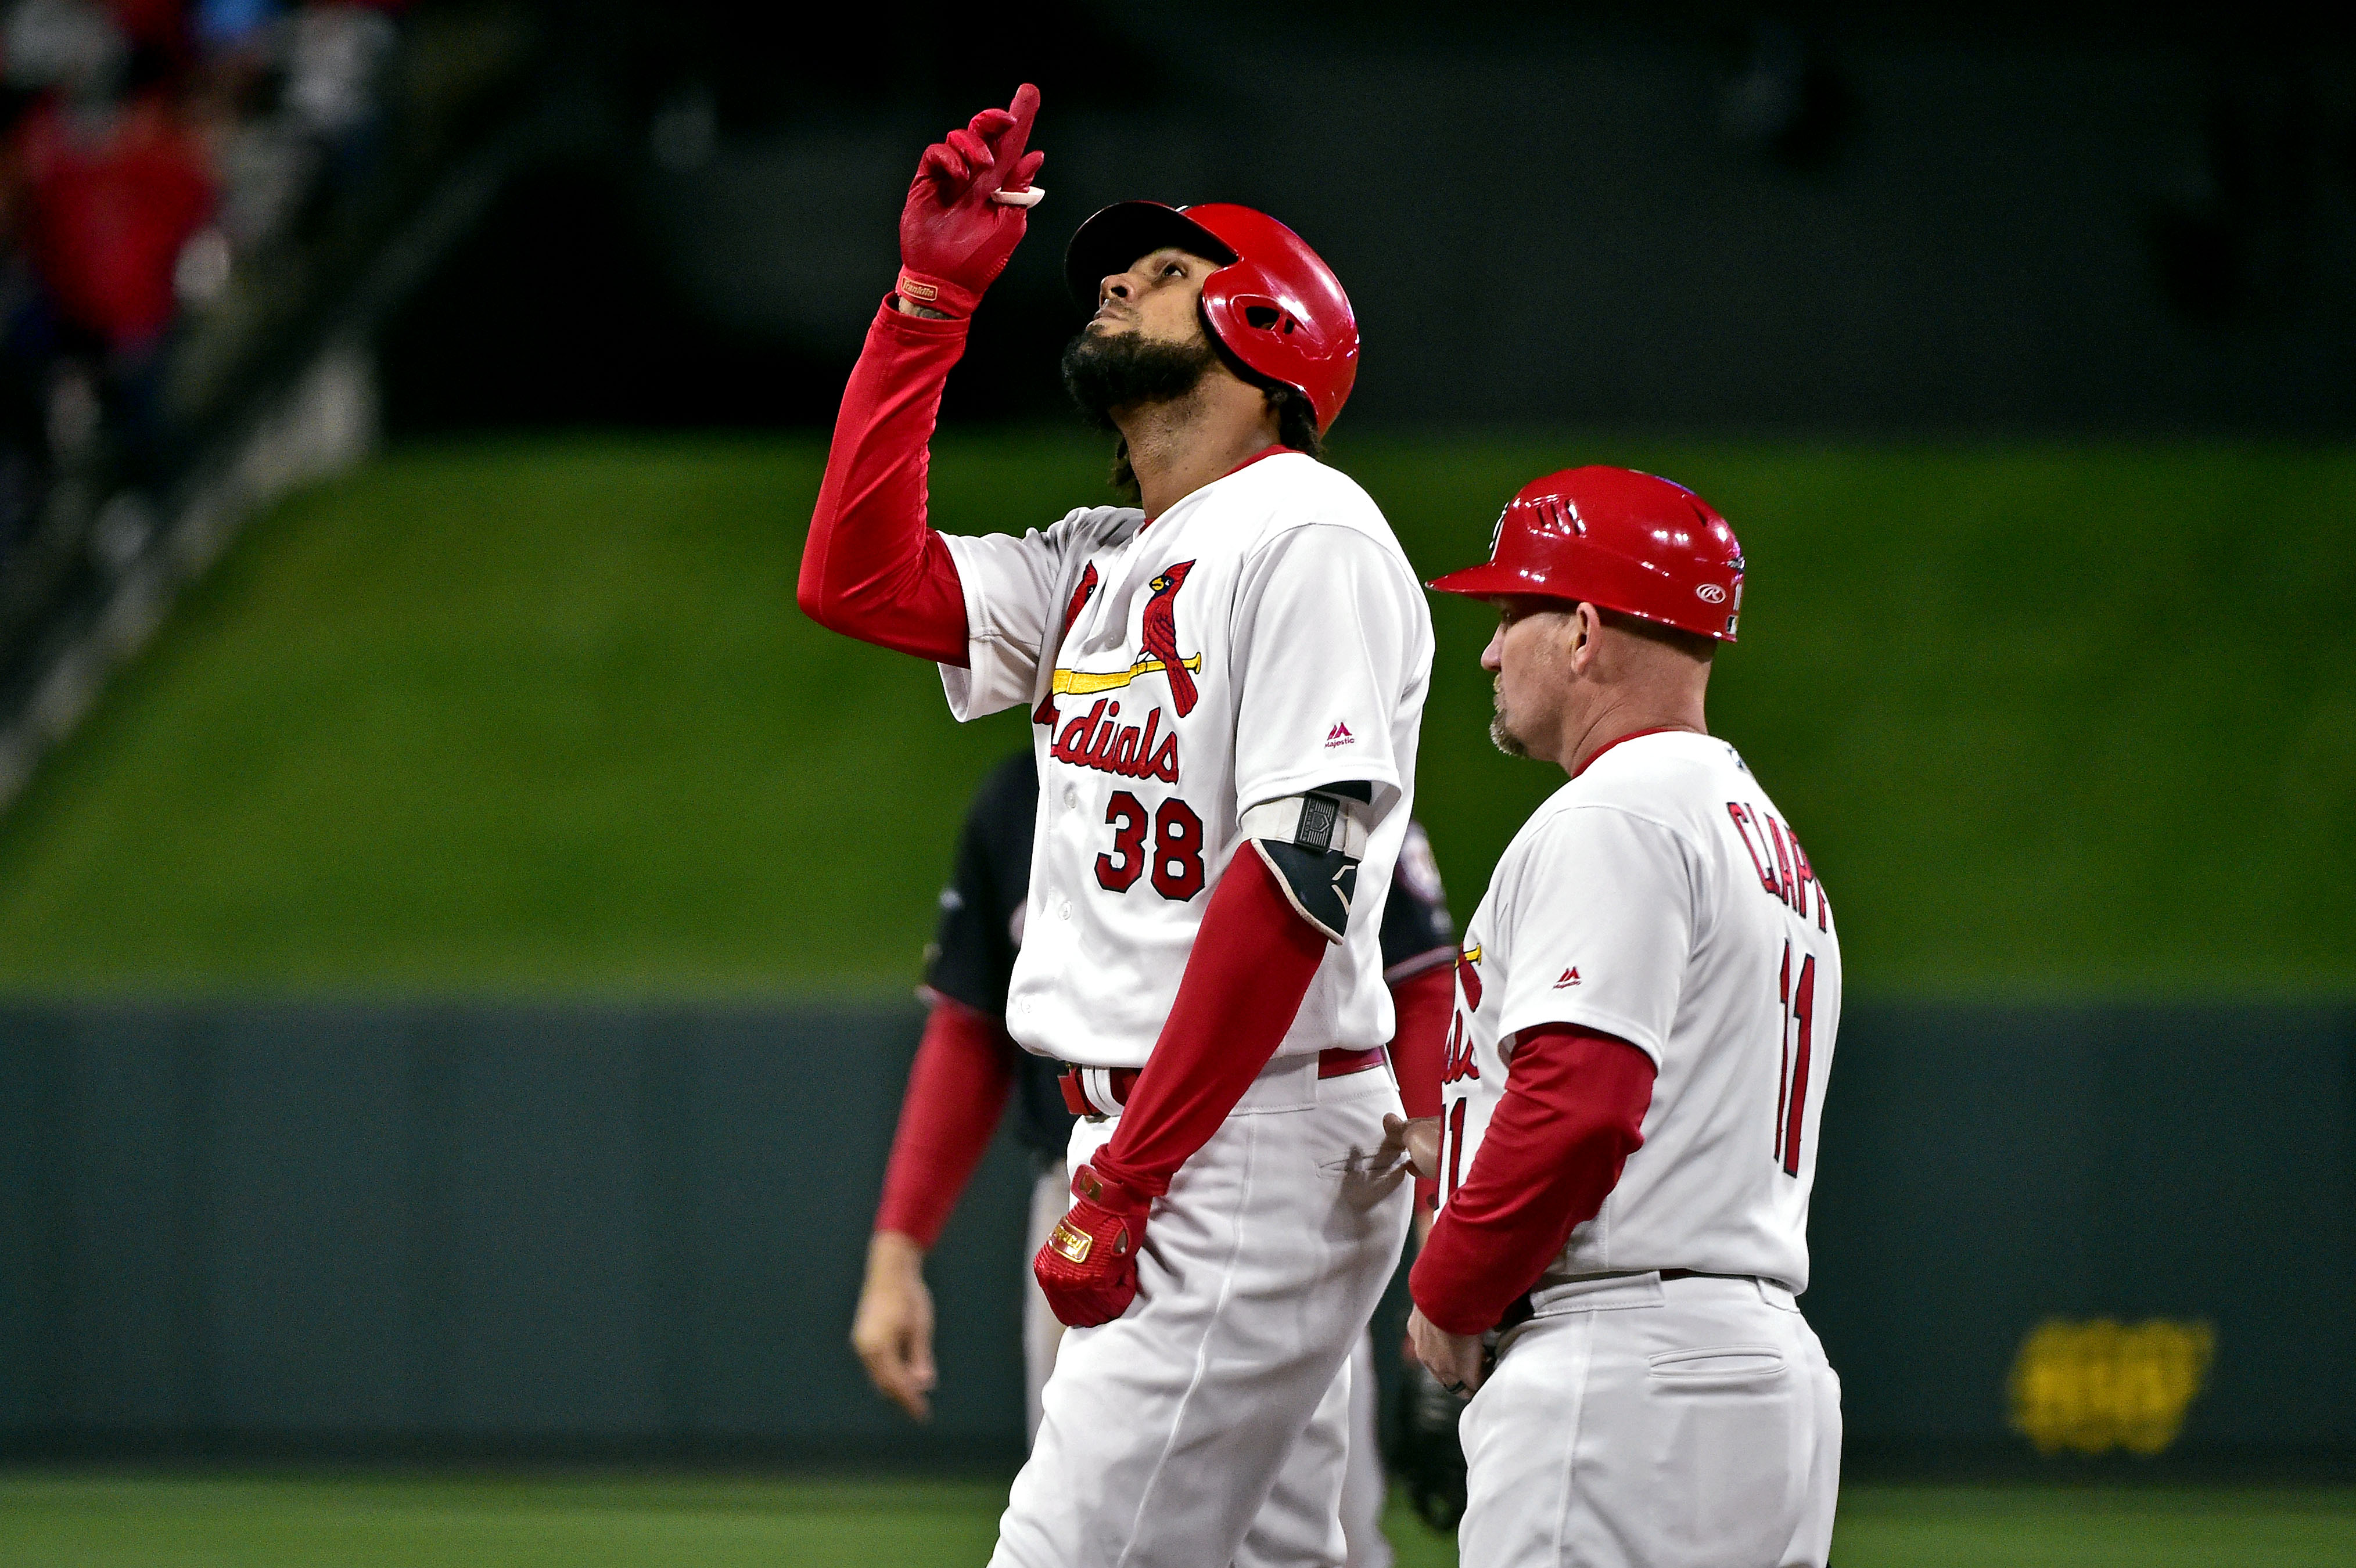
[
  {"x": 1253, "y": 959},
  {"x": 1572, "y": 1113},
  {"x": 873, "y": 569},
  {"x": 956, "y": 1090},
  {"x": 1424, "y": 1004}
]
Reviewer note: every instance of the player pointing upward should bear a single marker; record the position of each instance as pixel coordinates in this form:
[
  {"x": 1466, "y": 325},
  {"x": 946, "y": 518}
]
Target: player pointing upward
[
  {"x": 1646, "y": 1001},
  {"x": 1225, "y": 684}
]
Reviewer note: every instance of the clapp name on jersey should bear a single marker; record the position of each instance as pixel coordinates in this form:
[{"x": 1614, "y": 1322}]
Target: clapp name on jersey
[
  {"x": 1788, "y": 877},
  {"x": 1094, "y": 741}
]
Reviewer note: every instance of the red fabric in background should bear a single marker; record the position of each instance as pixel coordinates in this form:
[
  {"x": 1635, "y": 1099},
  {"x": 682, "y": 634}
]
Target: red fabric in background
[
  {"x": 1252, "y": 961},
  {"x": 1572, "y": 1113},
  {"x": 957, "y": 1091},
  {"x": 160, "y": 23},
  {"x": 110, "y": 212},
  {"x": 1425, "y": 1004},
  {"x": 872, "y": 568}
]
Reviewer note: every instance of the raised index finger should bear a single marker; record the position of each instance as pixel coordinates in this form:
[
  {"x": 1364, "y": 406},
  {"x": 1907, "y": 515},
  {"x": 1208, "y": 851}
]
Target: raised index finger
[{"x": 1009, "y": 146}]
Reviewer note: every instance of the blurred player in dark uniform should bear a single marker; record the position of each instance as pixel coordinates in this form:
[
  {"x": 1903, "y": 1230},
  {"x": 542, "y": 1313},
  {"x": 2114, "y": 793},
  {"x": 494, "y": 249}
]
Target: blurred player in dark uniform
[{"x": 968, "y": 1070}]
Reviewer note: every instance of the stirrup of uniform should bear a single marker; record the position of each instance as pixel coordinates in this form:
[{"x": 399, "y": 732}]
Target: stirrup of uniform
[{"x": 1313, "y": 842}]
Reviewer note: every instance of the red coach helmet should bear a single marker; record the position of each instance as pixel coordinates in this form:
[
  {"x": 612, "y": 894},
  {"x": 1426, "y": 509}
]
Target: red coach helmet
[
  {"x": 1618, "y": 538},
  {"x": 1275, "y": 303}
]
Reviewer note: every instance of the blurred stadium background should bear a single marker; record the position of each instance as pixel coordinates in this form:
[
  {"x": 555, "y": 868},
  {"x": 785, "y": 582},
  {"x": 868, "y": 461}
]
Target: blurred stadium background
[{"x": 457, "y": 921}]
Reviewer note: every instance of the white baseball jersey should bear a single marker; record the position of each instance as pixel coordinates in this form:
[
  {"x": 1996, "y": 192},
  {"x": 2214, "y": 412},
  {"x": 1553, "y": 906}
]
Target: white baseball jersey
[
  {"x": 1660, "y": 896},
  {"x": 1263, "y": 636}
]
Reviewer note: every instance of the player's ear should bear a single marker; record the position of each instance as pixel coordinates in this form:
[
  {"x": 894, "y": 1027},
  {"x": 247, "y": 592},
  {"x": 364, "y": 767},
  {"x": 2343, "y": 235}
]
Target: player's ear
[{"x": 1578, "y": 631}]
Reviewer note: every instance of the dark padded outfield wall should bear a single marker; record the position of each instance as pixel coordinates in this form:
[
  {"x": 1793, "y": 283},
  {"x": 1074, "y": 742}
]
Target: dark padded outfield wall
[
  {"x": 1987, "y": 1169},
  {"x": 638, "y": 1230},
  {"x": 578, "y": 1229}
]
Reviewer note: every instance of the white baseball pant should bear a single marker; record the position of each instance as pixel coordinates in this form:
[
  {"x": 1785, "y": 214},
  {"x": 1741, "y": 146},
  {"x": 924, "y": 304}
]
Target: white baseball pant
[
  {"x": 1364, "y": 1484},
  {"x": 1365, "y": 1489},
  {"x": 1209, "y": 1422},
  {"x": 1051, "y": 1196},
  {"x": 1644, "y": 1422}
]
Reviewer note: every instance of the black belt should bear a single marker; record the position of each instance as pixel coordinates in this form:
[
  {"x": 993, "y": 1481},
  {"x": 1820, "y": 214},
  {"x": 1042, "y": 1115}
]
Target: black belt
[{"x": 1523, "y": 1309}]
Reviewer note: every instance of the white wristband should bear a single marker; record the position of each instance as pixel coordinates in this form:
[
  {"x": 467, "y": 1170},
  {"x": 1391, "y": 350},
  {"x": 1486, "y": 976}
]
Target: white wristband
[{"x": 1281, "y": 821}]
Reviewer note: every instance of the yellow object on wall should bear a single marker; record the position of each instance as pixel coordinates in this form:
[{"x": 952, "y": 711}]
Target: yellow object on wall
[{"x": 2101, "y": 1385}]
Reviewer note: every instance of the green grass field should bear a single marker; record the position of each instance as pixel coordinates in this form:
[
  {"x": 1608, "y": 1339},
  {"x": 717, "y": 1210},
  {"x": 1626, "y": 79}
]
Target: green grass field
[
  {"x": 101, "y": 1522},
  {"x": 540, "y": 717}
]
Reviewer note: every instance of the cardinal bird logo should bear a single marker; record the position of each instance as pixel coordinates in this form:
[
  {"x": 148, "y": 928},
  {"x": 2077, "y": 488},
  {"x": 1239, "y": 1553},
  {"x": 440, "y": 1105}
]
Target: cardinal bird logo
[
  {"x": 1159, "y": 635},
  {"x": 1045, "y": 713},
  {"x": 1467, "y": 975}
]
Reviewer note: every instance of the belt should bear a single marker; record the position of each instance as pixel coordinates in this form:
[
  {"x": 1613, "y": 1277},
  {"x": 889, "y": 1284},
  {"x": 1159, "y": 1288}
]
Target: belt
[
  {"x": 1522, "y": 1308},
  {"x": 1118, "y": 1081}
]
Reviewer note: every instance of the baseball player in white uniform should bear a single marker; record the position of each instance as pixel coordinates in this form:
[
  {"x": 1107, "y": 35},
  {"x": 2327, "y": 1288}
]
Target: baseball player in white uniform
[
  {"x": 1646, "y": 1002},
  {"x": 967, "y": 1074},
  {"x": 1224, "y": 682}
]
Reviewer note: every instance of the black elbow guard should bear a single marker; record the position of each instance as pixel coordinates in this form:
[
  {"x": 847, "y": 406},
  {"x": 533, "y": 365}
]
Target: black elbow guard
[{"x": 1313, "y": 843}]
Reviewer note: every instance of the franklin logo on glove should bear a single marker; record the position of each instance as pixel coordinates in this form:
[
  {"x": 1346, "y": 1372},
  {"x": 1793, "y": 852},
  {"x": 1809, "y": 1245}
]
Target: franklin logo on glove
[
  {"x": 1086, "y": 1284},
  {"x": 967, "y": 208}
]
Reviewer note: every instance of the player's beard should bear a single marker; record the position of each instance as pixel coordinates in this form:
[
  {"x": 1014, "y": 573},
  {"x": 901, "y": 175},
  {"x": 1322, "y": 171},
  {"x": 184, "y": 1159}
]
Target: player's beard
[
  {"x": 1123, "y": 368},
  {"x": 1500, "y": 736}
]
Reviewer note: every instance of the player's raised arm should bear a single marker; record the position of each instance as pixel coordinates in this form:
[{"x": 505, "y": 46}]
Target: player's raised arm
[
  {"x": 1188, "y": 956},
  {"x": 873, "y": 569}
]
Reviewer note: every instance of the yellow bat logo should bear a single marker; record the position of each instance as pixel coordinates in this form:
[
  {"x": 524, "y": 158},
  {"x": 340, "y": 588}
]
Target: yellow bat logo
[{"x": 1087, "y": 682}]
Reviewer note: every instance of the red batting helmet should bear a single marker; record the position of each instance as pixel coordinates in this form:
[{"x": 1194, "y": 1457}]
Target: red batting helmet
[
  {"x": 1617, "y": 538},
  {"x": 1274, "y": 303}
]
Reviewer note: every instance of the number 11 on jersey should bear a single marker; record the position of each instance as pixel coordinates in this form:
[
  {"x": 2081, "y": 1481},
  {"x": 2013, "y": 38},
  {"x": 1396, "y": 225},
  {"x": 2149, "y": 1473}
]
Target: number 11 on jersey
[{"x": 1792, "y": 1083}]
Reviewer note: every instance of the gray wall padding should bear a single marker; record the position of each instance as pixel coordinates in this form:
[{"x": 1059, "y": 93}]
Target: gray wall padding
[{"x": 641, "y": 1229}]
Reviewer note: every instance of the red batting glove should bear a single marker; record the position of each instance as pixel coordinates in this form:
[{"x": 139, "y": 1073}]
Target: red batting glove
[
  {"x": 955, "y": 239},
  {"x": 1089, "y": 1267}
]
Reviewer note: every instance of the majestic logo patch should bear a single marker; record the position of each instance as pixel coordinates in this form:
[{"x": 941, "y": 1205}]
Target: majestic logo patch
[
  {"x": 1569, "y": 977},
  {"x": 1339, "y": 736}
]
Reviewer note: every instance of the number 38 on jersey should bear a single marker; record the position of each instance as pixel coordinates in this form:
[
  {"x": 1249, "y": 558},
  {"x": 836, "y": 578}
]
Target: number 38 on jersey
[{"x": 1175, "y": 857}]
